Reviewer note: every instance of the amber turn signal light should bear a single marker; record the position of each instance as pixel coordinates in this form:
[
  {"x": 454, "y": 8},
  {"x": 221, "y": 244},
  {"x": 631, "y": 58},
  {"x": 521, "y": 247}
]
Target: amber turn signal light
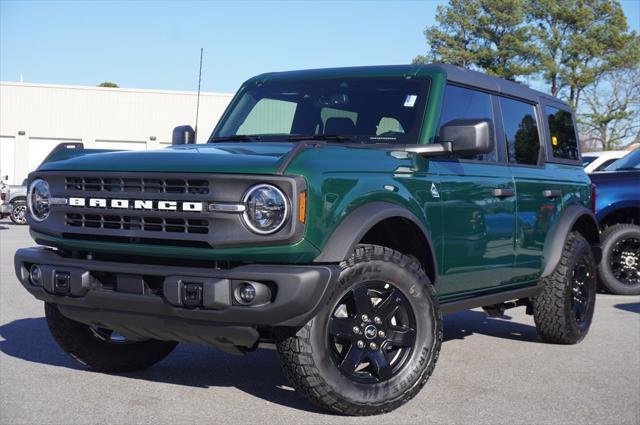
[{"x": 302, "y": 206}]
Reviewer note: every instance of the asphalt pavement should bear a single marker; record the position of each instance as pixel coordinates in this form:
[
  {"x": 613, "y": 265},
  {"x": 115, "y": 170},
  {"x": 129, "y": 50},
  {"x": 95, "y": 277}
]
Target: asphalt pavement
[{"x": 491, "y": 371}]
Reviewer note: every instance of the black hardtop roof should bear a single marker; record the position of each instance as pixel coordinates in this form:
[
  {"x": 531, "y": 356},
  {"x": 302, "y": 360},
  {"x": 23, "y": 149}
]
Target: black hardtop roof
[
  {"x": 468, "y": 77},
  {"x": 453, "y": 73}
]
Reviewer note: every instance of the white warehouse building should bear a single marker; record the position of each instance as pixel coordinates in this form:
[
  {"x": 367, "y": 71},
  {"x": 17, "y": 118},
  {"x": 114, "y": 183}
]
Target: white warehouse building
[{"x": 34, "y": 118}]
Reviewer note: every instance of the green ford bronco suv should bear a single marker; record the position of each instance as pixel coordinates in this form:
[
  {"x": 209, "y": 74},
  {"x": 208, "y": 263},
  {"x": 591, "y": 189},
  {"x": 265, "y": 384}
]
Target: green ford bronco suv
[{"x": 336, "y": 214}]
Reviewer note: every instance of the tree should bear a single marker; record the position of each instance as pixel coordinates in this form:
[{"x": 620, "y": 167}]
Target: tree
[
  {"x": 453, "y": 40},
  {"x": 611, "y": 112},
  {"x": 553, "y": 24},
  {"x": 108, "y": 84},
  {"x": 490, "y": 35},
  {"x": 579, "y": 40},
  {"x": 567, "y": 43}
]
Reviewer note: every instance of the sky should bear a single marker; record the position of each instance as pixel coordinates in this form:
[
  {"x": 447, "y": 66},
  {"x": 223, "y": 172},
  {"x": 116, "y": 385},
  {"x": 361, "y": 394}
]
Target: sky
[{"x": 156, "y": 45}]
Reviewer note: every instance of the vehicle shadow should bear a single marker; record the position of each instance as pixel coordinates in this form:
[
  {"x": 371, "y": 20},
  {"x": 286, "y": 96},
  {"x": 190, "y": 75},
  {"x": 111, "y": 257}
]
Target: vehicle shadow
[
  {"x": 257, "y": 373},
  {"x": 465, "y": 323},
  {"x": 631, "y": 307}
]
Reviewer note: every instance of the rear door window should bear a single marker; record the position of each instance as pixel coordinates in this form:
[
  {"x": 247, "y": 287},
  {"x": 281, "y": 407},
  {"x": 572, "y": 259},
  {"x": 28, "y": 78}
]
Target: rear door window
[
  {"x": 521, "y": 131},
  {"x": 564, "y": 143}
]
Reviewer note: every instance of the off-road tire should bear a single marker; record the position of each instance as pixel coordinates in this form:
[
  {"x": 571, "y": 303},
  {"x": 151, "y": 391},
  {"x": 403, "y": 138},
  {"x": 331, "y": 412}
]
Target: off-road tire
[
  {"x": 552, "y": 312},
  {"x": 305, "y": 358},
  {"x": 19, "y": 206},
  {"x": 77, "y": 340},
  {"x": 610, "y": 237}
]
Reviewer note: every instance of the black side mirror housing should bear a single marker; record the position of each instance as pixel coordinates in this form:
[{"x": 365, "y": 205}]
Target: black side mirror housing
[
  {"x": 183, "y": 135},
  {"x": 468, "y": 137},
  {"x": 459, "y": 137}
]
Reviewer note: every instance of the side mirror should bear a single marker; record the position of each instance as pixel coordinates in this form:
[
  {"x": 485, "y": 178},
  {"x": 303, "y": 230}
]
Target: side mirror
[
  {"x": 468, "y": 137},
  {"x": 459, "y": 137},
  {"x": 183, "y": 135}
]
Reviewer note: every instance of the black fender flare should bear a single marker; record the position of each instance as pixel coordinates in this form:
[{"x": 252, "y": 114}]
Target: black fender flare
[
  {"x": 352, "y": 229},
  {"x": 572, "y": 218}
]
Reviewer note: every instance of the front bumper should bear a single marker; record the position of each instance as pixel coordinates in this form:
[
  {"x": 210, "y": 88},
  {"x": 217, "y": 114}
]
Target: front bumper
[
  {"x": 143, "y": 301},
  {"x": 5, "y": 208}
]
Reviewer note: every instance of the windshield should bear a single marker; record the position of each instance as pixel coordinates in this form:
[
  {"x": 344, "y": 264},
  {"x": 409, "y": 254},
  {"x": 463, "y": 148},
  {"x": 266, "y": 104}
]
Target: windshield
[
  {"x": 630, "y": 161},
  {"x": 367, "y": 110}
]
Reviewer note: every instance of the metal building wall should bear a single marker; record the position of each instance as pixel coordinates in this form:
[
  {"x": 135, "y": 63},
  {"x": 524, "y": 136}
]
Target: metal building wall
[{"x": 34, "y": 118}]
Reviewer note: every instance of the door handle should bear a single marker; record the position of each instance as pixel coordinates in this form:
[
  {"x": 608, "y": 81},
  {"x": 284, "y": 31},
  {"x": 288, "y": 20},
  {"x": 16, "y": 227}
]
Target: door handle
[
  {"x": 552, "y": 193},
  {"x": 503, "y": 193}
]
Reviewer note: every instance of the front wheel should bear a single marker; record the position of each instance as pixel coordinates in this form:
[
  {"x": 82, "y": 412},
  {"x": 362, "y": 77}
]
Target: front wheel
[
  {"x": 19, "y": 212},
  {"x": 375, "y": 342}
]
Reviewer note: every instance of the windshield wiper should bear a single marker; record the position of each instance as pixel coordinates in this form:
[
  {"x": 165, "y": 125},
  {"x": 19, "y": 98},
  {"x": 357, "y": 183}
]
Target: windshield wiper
[
  {"x": 330, "y": 137},
  {"x": 236, "y": 138}
]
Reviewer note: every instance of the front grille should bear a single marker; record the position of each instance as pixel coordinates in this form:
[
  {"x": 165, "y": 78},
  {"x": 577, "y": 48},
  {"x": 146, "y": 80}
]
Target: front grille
[
  {"x": 101, "y": 207},
  {"x": 137, "y": 185},
  {"x": 150, "y": 224}
]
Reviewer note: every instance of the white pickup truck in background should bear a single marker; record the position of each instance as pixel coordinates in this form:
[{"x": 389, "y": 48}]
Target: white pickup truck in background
[{"x": 13, "y": 201}]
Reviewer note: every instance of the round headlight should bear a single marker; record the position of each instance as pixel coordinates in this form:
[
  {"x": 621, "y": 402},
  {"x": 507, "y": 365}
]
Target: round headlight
[
  {"x": 266, "y": 209},
  {"x": 38, "y": 200}
]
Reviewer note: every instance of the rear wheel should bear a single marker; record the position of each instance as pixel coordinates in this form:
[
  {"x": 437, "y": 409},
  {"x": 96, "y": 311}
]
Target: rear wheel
[
  {"x": 619, "y": 270},
  {"x": 101, "y": 349},
  {"x": 374, "y": 343},
  {"x": 564, "y": 309},
  {"x": 19, "y": 212}
]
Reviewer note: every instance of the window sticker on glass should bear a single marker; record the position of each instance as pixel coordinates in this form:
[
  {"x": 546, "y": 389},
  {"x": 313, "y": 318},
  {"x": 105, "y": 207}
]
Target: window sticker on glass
[{"x": 410, "y": 100}]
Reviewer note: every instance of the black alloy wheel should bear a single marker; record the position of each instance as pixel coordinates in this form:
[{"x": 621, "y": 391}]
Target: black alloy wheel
[
  {"x": 625, "y": 261},
  {"x": 581, "y": 296},
  {"x": 371, "y": 332},
  {"x": 374, "y": 342},
  {"x": 563, "y": 311},
  {"x": 619, "y": 270}
]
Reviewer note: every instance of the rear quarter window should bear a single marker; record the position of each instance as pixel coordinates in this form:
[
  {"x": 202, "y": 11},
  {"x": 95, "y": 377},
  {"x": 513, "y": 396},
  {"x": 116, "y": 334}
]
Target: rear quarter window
[{"x": 564, "y": 143}]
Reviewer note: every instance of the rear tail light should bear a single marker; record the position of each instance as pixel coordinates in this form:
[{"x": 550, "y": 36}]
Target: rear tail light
[
  {"x": 593, "y": 197},
  {"x": 3, "y": 196}
]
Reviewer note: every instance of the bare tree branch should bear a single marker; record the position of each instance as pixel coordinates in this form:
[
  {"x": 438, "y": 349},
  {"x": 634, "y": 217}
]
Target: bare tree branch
[{"x": 610, "y": 114}]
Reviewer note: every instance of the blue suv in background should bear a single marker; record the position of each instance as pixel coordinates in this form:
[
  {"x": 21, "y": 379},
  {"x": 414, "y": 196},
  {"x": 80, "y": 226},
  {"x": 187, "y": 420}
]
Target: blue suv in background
[{"x": 618, "y": 214}]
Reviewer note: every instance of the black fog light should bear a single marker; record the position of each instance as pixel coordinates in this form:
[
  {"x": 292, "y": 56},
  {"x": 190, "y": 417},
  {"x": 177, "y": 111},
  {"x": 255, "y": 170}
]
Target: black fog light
[
  {"x": 251, "y": 293},
  {"x": 35, "y": 275},
  {"x": 245, "y": 293}
]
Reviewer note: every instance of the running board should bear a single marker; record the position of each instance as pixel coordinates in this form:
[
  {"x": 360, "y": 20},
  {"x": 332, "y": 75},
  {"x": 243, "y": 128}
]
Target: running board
[{"x": 491, "y": 299}]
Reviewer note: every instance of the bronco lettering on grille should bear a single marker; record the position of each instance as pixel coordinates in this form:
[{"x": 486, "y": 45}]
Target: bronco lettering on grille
[{"x": 136, "y": 204}]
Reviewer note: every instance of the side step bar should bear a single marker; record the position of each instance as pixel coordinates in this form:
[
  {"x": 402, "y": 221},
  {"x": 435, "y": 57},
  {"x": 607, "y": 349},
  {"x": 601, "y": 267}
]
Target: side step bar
[{"x": 491, "y": 299}]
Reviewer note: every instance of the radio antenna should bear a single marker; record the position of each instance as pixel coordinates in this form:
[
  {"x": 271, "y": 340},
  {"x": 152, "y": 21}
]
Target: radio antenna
[{"x": 195, "y": 136}]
